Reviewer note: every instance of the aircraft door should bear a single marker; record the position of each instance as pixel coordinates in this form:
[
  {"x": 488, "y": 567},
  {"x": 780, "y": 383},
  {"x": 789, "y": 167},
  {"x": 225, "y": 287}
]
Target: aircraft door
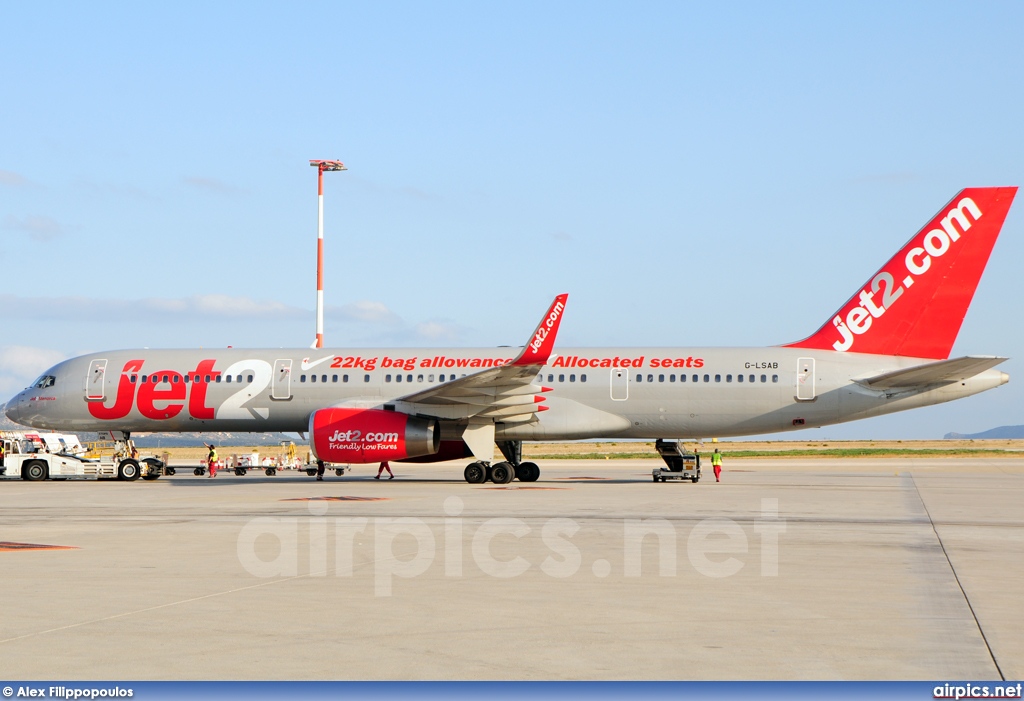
[
  {"x": 805, "y": 379},
  {"x": 620, "y": 384},
  {"x": 282, "y": 387},
  {"x": 95, "y": 381}
]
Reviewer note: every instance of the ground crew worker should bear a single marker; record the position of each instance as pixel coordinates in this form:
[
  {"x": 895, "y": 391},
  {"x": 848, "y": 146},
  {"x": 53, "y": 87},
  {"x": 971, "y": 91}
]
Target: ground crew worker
[
  {"x": 1, "y": 453},
  {"x": 384, "y": 466},
  {"x": 716, "y": 462},
  {"x": 211, "y": 459},
  {"x": 320, "y": 467}
]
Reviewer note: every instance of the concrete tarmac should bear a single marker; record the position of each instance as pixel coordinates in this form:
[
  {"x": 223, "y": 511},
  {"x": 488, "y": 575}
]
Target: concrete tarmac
[{"x": 788, "y": 569}]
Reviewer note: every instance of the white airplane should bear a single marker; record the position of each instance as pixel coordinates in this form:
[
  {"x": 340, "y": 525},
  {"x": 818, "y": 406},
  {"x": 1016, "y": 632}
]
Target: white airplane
[{"x": 885, "y": 350}]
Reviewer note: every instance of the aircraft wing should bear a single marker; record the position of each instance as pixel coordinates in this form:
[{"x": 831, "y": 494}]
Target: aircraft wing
[
  {"x": 940, "y": 372},
  {"x": 507, "y": 393}
]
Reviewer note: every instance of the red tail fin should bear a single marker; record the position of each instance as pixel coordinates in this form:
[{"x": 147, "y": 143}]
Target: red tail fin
[{"x": 915, "y": 304}]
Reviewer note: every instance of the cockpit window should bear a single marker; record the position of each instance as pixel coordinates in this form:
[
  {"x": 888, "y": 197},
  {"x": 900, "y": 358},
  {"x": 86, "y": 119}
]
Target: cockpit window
[{"x": 44, "y": 382}]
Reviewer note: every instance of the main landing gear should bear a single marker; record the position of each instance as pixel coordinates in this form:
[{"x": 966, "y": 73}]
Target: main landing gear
[{"x": 505, "y": 471}]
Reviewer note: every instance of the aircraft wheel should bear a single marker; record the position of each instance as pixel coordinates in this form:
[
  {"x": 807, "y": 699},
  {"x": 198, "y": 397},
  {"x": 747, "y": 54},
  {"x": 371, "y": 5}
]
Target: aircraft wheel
[
  {"x": 475, "y": 473},
  {"x": 34, "y": 471},
  {"x": 339, "y": 472},
  {"x": 128, "y": 470},
  {"x": 502, "y": 473},
  {"x": 528, "y": 472}
]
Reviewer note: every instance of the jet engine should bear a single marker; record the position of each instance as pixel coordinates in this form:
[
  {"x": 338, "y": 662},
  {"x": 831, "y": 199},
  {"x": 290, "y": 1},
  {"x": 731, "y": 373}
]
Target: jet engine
[{"x": 352, "y": 435}]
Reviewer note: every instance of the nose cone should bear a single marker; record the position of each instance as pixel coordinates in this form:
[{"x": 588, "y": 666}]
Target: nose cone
[{"x": 14, "y": 409}]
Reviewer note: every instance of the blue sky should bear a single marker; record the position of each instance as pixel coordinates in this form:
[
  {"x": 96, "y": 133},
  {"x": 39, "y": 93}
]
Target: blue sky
[{"x": 691, "y": 174}]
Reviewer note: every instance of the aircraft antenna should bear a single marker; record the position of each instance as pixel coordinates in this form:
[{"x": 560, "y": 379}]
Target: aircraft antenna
[{"x": 321, "y": 166}]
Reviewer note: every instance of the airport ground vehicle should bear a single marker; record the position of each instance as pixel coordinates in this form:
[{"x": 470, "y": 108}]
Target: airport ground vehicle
[
  {"x": 30, "y": 459},
  {"x": 680, "y": 464}
]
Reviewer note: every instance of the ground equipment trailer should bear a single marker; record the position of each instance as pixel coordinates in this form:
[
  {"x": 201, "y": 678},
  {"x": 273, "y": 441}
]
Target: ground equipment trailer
[
  {"x": 23, "y": 459},
  {"x": 681, "y": 465}
]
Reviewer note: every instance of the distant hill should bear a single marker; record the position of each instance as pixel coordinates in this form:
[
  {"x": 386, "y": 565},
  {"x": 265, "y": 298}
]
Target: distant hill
[{"x": 1003, "y": 432}]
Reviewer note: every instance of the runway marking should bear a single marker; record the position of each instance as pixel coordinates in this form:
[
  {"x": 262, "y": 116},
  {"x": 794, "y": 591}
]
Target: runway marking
[
  {"x": 581, "y": 478},
  {"x": 956, "y": 577},
  {"x": 338, "y": 499},
  {"x": 7, "y": 547}
]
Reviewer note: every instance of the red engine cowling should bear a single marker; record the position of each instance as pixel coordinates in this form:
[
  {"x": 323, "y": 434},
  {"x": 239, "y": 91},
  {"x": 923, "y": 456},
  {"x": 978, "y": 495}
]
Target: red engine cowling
[{"x": 352, "y": 435}]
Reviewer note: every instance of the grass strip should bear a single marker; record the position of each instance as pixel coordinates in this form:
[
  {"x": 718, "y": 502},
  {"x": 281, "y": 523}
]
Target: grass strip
[{"x": 808, "y": 453}]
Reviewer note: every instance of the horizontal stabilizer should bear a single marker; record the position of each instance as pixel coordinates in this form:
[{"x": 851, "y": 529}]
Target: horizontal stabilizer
[{"x": 941, "y": 372}]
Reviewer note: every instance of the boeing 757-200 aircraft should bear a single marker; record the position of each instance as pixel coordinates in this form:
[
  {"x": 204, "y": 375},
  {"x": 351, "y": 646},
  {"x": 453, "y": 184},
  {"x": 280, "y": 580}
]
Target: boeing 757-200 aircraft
[{"x": 886, "y": 349}]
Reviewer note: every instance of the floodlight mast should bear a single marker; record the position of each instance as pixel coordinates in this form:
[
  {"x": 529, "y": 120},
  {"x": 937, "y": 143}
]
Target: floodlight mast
[{"x": 321, "y": 166}]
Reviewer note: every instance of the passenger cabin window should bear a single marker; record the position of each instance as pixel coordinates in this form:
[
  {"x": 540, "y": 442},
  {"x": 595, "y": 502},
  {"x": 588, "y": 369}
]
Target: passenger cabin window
[
  {"x": 572, "y": 378},
  {"x": 312, "y": 378},
  {"x": 561, "y": 378},
  {"x": 764, "y": 378},
  {"x": 661, "y": 378},
  {"x": 218, "y": 378},
  {"x": 728, "y": 378},
  {"x": 707, "y": 378},
  {"x": 583, "y": 378},
  {"x": 718, "y": 378},
  {"x": 366, "y": 378},
  {"x": 387, "y": 378},
  {"x": 739, "y": 378},
  {"x": 775, "y": 378},
  {"x": 302, "y": 378}
]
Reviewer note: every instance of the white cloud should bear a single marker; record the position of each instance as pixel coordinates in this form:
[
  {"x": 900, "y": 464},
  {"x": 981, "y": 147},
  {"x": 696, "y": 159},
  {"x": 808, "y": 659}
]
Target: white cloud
[
  {"x": 366, "y": 311},
  {"x": 211, "y": 185},
  {"x": 19, "y": 365},
  {"x": 39, "y": 228},
  {"x": 155, "y": 308},
  {"x": 12, "y": 179},
  {"x": 437, "y": 332}
]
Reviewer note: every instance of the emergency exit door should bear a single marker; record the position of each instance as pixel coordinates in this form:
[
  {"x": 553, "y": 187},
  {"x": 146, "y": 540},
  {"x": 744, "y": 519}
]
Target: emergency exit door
[
  {"x": 805, "y": 379},
  {"x": 620, "y": 384},
  {"x": 282, "y": 383},
  {"x": 95, "y": 381}
]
